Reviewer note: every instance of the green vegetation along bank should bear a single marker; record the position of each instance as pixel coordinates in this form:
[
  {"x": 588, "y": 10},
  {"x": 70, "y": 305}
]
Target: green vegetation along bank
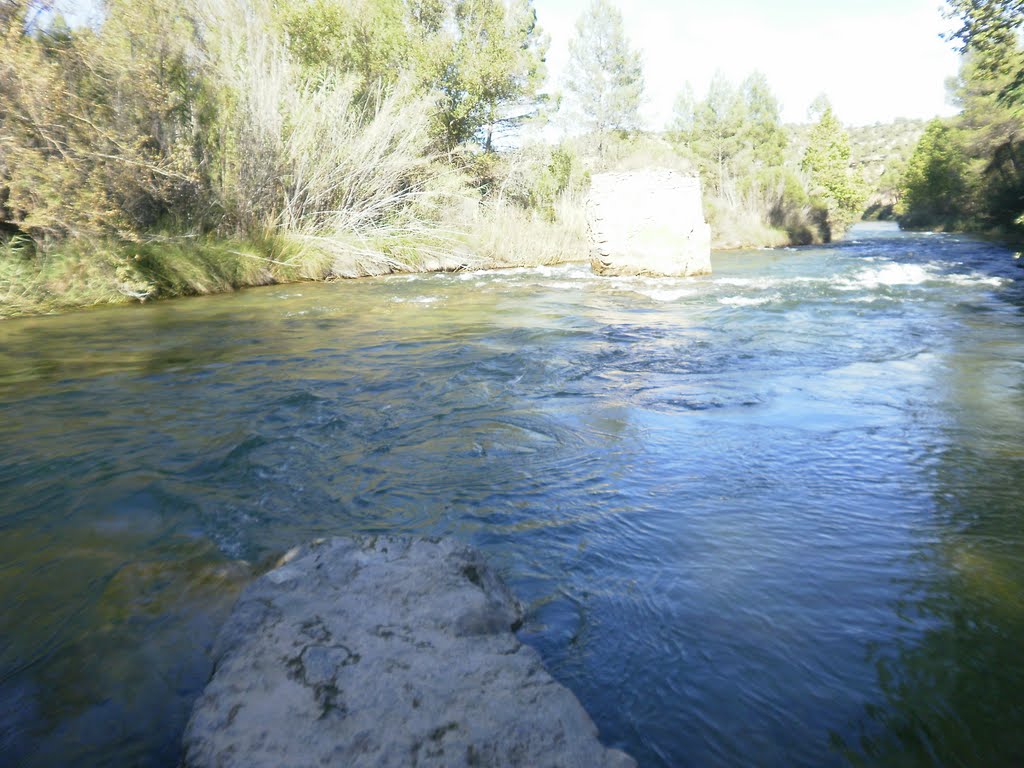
[
  {"x": 187, "y": 147},
  {"x": 173, "y": 148},
  {"x": 967, "y": 172}
]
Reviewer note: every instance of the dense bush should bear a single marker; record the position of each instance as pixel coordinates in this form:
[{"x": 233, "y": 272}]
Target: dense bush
[
  {"x": 329, "y": 134},
  {"x": 968, "y": 172}
]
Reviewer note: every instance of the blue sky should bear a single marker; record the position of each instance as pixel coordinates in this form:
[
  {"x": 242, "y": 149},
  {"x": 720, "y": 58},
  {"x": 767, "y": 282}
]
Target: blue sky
[{"x": 876, "y": 59}]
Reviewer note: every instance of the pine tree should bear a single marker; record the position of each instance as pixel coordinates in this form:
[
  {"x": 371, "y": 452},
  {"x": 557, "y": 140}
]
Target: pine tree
[
  {"x": 933, "y": 185},
  {"x": 762, "y": 131},
  {"x": 483, "y": 58},
  {"x": 832, "y": 184},
  {"x": 717, "y": 125},
  {"x": 605, "y": 74},
  {"x": 735, "y": 136}
]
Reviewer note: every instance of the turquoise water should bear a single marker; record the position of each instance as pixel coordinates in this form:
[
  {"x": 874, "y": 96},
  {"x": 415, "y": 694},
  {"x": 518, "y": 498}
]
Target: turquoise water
[{"x": 772, "y": 516}]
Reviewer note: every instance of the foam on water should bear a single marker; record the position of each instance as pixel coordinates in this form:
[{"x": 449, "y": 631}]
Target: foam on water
[
  {"x": 975, "y": 279},
  {"x": 665, "y": 295},
  {"x": 749, "y": 301},
  {"x": 893, "y": 274},
  {"x": 888, "y": 275}
]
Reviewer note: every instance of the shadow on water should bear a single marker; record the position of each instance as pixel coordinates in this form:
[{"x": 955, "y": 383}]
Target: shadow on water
[
  {"x": 952, "y": 695},
  {"x": 109, "y": 652},
  {"x": 952, "y": 686}
]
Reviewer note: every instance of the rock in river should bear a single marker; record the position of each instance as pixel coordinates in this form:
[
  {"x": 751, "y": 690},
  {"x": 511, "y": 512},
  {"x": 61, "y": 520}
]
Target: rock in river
[
  {"x": 648, "y": 223},
  {"x": 384, "y": 652}
]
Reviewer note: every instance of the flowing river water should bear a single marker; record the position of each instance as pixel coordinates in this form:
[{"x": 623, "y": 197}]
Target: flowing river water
[{"x": 770, "y": 517}]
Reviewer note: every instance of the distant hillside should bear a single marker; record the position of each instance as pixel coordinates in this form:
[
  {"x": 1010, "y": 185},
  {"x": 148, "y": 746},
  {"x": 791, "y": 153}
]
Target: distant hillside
[
  {"x": 879, "y": 151},
  {"x": 876, "y": 146}
]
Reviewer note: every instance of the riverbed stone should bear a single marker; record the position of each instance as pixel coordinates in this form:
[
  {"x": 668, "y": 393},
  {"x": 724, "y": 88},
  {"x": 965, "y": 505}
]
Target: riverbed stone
[
  {"x": 384, "y": 651},
  {"x": 648, "y": 223}
]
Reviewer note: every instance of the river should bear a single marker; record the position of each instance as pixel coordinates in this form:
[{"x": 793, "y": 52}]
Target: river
[{"x": 768, "y": 517}]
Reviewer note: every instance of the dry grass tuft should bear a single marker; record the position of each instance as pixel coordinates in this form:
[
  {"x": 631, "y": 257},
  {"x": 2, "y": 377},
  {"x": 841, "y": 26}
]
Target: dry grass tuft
[{"x": 504, "y": 235}]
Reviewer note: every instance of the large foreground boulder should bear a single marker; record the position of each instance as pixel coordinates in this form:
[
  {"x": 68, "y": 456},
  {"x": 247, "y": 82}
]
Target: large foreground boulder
[
  {"x": 384, "y": 652},
  {"x": 648, "y": 223}
]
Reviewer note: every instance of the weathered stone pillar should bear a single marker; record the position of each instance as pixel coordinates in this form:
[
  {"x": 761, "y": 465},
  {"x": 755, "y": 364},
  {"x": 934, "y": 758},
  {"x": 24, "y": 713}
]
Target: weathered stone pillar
[{"x": 648, "y": 223}]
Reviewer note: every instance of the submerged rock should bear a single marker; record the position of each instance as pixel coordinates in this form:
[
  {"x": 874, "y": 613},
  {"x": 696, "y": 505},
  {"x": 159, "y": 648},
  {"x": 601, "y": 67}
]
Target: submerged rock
[
  {"x": 384, "y": 652},
  {"x": 648, "y": 223}
]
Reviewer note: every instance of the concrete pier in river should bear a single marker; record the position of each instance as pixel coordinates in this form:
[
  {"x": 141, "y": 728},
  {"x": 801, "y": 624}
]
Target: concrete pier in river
[{"x": 648, "y": 223}]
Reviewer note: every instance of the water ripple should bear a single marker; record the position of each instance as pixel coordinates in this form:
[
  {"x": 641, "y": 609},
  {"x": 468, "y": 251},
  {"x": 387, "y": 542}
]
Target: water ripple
[{"x": 768, "y": 512}]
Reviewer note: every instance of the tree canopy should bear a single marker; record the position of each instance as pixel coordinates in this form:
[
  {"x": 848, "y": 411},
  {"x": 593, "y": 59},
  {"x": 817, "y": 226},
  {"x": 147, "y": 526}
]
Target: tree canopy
[
  {"x": 985, "y": 22},
  {"x": 934, "y": 184},
  {"x": 733, "y": 132},
  {"x": 980, "y": 149},
  {"x": 605, "y": 75},
  {"x": 990, "y": 28},
  {"x": 827, "y": 163},
  {"x": 484, "y": 59},
  {"x": 487, "y": 62}
]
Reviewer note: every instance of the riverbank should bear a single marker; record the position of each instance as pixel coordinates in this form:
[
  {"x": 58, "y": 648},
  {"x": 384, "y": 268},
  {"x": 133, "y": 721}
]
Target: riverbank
[
  {"x": 82, "y": 276},
  {"x": 76, "y": 274},
  {"x": 80, "y": 273}
]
